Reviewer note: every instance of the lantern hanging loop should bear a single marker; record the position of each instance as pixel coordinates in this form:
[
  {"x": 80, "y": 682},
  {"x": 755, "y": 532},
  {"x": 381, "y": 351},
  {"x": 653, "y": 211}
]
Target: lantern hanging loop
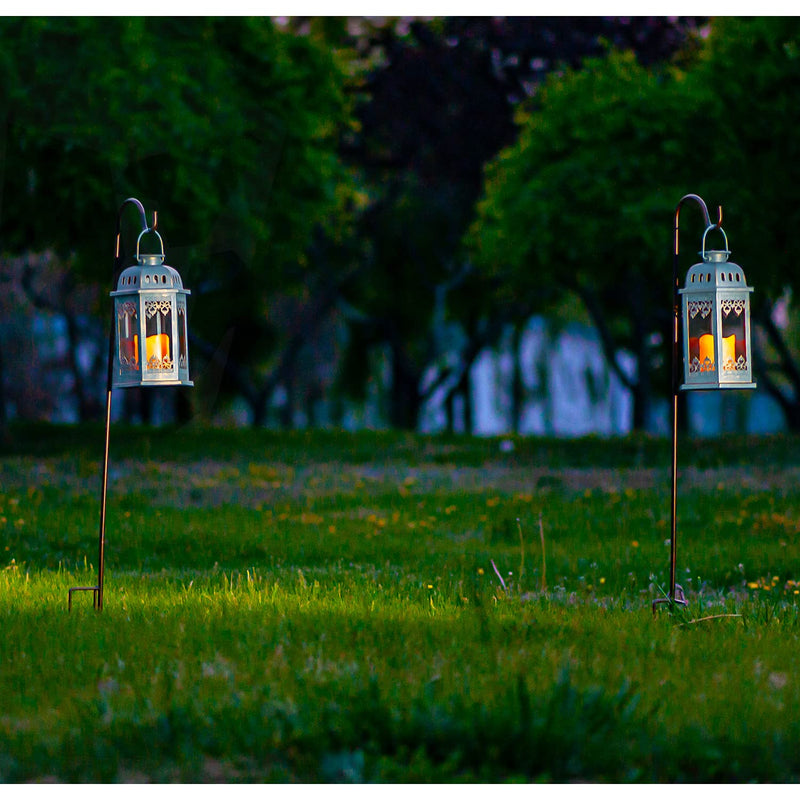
[
  {"x": 711, "y": 228},
  {"x": 150, "y": 230}
]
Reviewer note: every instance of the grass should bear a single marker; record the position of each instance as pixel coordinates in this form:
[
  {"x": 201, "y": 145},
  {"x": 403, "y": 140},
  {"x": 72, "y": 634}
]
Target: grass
[{"x": 384, "y": 607}]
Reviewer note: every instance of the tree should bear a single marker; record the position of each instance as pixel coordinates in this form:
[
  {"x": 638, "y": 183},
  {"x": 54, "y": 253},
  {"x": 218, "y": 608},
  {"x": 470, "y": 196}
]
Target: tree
[
  {"x": 437, "y": 108},
  {"x": 582, "y": 201},
  {"x": 622, "y": 143},
  {"x": 752, "y": 67},
  {"x": 227, "y": 127}
]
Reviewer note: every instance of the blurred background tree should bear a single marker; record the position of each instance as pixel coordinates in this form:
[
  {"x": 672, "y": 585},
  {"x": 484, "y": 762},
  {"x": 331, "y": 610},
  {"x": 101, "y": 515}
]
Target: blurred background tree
[
  {"x": 332, "y": 188},
  {"x": 440, "y": 105},
  {"x": 583, "y": 199},
  {"x": 750, "y": 71},
  {"x": 228, "y": 128}
]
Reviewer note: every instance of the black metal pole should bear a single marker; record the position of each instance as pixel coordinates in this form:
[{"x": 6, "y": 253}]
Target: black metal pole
[
  {"x": 675, "y": 591},
  {"x": 97, "y": 591}
]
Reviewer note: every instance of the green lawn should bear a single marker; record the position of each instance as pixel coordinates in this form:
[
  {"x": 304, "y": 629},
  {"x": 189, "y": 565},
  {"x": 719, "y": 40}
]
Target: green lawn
[{"x": 380, "y": 607}]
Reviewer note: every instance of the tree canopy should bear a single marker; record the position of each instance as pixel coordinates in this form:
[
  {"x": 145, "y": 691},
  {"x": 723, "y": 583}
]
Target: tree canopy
[
  {"x": 440, "y": 105},
  {"x": 228, "y": 127},
  {"x": 396, "y": 172},
  {"x": 585, "y": 196}
]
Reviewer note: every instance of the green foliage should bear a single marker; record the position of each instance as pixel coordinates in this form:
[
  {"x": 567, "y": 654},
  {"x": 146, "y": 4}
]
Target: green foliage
[
  {"x": 227, "y": 127},
  {"x": 585, "y": 198},
  {"x": 596, "y": 168},
  {"x": 752, "y": 67},
  {"x": 370, "y": 608}
]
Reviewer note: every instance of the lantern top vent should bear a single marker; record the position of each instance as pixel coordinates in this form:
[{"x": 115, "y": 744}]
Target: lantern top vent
[
  {"x": 149, "y": 273},
  {"x": 716, "y": 272}
]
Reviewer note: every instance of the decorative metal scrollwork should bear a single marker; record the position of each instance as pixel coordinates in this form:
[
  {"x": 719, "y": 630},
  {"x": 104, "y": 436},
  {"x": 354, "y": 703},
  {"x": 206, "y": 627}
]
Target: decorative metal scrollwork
[
  {"x": 696, "y": 365},
  {"x": 159, "y": 363},
  {"x": 728, "y": 305},
  {"x": 153, "y": 307},
  {"x": 701, "y": 307},
  {"x": 740, "y": 365},
  {"x": 126, "y": 309}
]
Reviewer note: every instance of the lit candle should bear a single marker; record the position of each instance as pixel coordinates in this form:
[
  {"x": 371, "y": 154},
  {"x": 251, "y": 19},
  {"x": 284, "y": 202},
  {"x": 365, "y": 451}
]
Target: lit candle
[
  {"x": 707, "y": 349},
  {"x": 158, "y": 347},
  {"x": 729, "y": 351}
]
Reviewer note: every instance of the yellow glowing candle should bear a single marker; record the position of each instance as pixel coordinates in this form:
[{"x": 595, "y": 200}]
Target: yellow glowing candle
[
  {"x": 158, "y": 347},
  {"x": 728, "y": 351},
  {"x": 707, "y": 348}
]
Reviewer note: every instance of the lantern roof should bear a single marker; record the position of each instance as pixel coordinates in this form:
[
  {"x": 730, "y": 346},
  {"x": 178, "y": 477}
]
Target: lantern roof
[
  {"x": 150, "y": 273},
  {"x": 715, "y": 272}
]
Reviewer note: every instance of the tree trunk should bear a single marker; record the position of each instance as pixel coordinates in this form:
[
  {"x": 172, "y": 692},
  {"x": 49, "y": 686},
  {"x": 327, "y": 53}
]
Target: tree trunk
[
  {"x": 642, "y": 389},
  {"x": 516, "y": 383},
  {"x": 4, "y": 435},
  {"x": 789, "y": 401},
  {"x": 404, "y": 399},
  {"x": 88, "y": 406}
]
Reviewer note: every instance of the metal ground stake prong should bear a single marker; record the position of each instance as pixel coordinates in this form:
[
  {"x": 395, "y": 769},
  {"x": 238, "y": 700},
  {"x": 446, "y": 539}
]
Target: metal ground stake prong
[
  {"x": 94, "y": 589},
  {"x": 679, "y": 598}
]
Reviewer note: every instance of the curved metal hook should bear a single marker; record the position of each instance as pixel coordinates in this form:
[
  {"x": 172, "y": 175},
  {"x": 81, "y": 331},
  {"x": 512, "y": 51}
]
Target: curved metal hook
[
  {"x": 709, "y": 225},
  {"x": 140, "y": 207},
  {"x": 132, "y": 201},
  {"x": 703, "y": 207}
]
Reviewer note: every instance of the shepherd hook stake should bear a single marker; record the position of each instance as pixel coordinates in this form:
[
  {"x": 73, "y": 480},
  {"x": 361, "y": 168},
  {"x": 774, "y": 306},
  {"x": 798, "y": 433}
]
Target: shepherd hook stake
[
  {"x": 676, "y": 594},
  {"x": 97, "y": 591}
]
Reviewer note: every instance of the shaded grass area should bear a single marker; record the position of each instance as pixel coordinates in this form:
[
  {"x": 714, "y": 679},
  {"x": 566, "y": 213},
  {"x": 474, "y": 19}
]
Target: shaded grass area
[
  {"x": 192, "y": 442},
  {"x": 276, "y": 613}
]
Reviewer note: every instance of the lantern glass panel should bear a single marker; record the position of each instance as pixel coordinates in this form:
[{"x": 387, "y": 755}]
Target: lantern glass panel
[
  {"x": 128, "y": 336},
  {"x": 183, "y": 353},
  {"x": 701, "y": 337},
  {"x": 158, "y": 327},
  {"x": 734, "y": 340}
]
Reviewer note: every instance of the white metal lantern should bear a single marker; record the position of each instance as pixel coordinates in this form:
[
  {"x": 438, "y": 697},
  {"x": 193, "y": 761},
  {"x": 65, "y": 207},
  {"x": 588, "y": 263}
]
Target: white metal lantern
[
  {"x": 716, "y": 323},
  {"x": 150, "y": 319}
]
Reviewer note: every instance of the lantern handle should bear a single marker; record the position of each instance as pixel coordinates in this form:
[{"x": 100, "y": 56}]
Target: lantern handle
[
  {"x": 711, "y": 228},
  {"x": 149, "y": 230}
]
